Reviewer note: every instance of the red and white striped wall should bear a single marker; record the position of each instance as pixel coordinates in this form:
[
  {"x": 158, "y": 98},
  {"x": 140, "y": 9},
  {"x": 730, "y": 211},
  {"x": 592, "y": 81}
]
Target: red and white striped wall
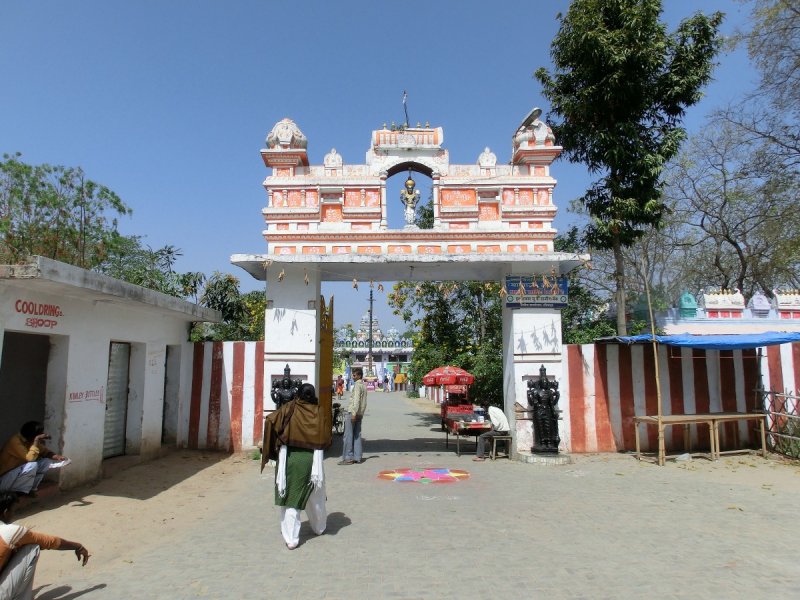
[
  {"x": 606, "y": 385},
  {"x": 225, "y": 405},
  {"x": 603, "y": 387},
  {"x": 781, "y": 370}
]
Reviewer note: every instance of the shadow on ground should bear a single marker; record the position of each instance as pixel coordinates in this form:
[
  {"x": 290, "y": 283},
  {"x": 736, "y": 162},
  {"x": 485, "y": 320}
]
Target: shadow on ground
[
  {"x": 162, "y": 474},
  {"x": 434, "y": 443},
  {"x": 64, "y": 592}
]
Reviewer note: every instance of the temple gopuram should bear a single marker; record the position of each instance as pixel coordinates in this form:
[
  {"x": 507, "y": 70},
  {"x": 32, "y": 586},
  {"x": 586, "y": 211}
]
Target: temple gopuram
[
  {"x": 338, "y": 208},
  {"x": 721, "y": 311},
  {"x": 391, "y": 353},
  {"x": 492, "y": 221}
]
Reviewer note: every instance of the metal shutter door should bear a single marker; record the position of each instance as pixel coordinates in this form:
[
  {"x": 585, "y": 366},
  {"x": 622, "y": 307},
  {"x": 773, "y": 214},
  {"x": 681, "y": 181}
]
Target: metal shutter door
[{"x": 116, "y": 400}]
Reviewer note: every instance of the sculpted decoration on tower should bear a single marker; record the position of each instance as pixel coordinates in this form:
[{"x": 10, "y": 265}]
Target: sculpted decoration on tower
[
  {"x": 286, "y": 135},
  {"x": 487, "y": 158},
  {"x": 533, "y": 131},
  {"x": 332, "y": 160}
]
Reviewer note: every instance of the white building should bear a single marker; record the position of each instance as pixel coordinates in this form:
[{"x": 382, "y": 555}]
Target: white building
[{"x": 106, "y": 365}]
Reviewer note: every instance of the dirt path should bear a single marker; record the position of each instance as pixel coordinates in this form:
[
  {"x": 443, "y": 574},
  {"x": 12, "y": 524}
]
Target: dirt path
[{"x": 120, "y": 517}]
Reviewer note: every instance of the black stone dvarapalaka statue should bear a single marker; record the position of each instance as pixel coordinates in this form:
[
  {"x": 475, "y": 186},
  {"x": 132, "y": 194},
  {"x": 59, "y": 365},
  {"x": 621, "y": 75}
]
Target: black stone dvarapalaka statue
[
  {"x": 543, "y": 398},
  {"x": 284, "y": 389}
]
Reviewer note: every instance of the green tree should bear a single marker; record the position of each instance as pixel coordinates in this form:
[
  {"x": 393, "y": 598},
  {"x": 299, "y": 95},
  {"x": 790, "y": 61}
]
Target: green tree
[
  {"x": 242, "y": 314},
  {"x": 458, "y": 323},
  {"x": 141, "y": 265},
  {"x": 341, "y": 357},
  {"x": 770, "y": 115},
  {"x": 56, "y": 212},
  {"x": 737, "y": 210},
  {"x": 584, "y": 319},
  {"x": 424, "y": 219},
  {"x": 255, "y": 307},
  {"x": 619, "y": 92}
]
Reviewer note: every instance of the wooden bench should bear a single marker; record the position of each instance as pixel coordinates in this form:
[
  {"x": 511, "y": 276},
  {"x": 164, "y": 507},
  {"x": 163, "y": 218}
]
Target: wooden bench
[
  {"x": 671, "y": 420},
  {"x": 500, "y": 438},
  {"x": 718, "y": 418},
  {"x": 711, "y": 419}
]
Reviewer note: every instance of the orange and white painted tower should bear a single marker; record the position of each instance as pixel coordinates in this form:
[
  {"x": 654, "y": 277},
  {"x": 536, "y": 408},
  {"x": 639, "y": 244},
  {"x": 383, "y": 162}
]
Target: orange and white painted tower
[{"x": 329, "y": 222}]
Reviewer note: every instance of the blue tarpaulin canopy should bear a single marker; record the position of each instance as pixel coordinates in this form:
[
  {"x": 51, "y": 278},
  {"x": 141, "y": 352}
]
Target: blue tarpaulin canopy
[{"x": 714, "y": 342}]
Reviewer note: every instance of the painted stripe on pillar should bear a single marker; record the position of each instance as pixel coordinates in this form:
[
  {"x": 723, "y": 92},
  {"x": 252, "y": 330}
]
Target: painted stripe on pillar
[
  {"x": 727, "y": 391},
  {"x": 751, "y": 365},
  {"x": 611, "y": 373},
  {"x": 226, "y": 390},
  {"x": 196, "y": 395},
  {"x": 775, "y": 368},
  {"x": 689, "y": 403},
  {"x": 776, "y": 380},
  {"x": 650, "y": 392},
  {"x": 576, "y": 399},
  {"x": 739, "y": 366},
  {"x": 626, "y": 397},
  {"x": 605, "y": 435},
  {"x": 638, "y": 395},
  {"x": 202, "y": 438},
  {"x": 787, "y": 369},
  {"x": 766, "y": 380},
  {"x": 248, "y": 394},
  {"x": 237, "y": 397},
  {"x": 565, "y": 423},
  {"x": 590, "y": 410},
  {"x": 796, "y": 367},
  {"x": 676, "y": 405},
  {"x": 258, "y": 387},
  {"x": 666, "y": 387},
  {"x": 701, "y": 399},
  {"x": 214, "y": 397},
  {"x": 712, "y": 369}
]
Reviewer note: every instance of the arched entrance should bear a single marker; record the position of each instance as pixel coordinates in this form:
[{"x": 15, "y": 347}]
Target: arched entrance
[{"x": 491, "y": 223}]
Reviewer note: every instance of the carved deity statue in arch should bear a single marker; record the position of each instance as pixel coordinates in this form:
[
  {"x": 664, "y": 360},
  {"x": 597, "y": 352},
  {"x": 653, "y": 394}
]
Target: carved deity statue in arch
[{"x": 409, "y": 196}]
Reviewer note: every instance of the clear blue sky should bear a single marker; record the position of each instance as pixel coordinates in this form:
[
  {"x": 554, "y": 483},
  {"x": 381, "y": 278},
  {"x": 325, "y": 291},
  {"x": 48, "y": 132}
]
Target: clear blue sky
[{"x": 169, "y": 102}]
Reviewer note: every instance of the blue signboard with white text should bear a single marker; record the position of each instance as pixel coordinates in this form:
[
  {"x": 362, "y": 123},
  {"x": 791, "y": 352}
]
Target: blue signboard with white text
[{"x": 536, "y": 291}]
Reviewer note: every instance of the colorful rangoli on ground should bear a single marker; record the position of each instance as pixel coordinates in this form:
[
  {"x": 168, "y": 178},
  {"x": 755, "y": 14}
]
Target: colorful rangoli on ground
[{"x": 424, "y": 476}]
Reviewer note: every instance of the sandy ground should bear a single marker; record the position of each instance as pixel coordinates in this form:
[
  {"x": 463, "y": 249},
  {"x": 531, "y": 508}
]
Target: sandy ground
[{"x": 119, "y": 518}]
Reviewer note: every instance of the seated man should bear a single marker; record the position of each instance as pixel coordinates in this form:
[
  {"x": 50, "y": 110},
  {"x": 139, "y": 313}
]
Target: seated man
[
  {"x": 25, "y": 459},
  {"x": 19, "y": 552},
  {"x": 500, "y": 426}
]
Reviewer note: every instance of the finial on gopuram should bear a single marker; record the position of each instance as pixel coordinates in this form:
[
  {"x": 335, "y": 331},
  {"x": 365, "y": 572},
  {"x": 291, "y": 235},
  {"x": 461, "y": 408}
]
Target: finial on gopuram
[
  {"x": 543, "y": 398},
  {"x": 284, "y": 389}
]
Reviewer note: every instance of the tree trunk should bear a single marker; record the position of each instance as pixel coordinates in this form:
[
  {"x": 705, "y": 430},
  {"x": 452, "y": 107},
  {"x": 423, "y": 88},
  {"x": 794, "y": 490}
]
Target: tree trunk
[{"x": 619, "y": 276}]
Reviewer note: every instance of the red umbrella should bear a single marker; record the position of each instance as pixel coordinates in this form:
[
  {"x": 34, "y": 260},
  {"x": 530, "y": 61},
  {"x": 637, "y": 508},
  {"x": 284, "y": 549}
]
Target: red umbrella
[{"x": 448, "y": 376}]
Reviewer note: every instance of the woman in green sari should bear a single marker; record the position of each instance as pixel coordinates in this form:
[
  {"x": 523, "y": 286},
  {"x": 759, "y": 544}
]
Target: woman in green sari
[{"x": 295, "y": 436}]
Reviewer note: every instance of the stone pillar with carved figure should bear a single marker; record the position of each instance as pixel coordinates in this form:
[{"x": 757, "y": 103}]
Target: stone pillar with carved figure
[
  {"x": 291, "y": 324},
  {"x": 531, "y": 338}
]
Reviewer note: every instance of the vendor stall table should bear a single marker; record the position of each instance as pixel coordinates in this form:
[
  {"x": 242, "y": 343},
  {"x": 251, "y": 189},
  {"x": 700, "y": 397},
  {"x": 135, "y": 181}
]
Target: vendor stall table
[{"x": 464, "y": 428}]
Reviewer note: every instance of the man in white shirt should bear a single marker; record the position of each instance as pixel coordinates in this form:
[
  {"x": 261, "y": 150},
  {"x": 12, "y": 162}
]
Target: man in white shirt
[{"x": 500, "y": 426}]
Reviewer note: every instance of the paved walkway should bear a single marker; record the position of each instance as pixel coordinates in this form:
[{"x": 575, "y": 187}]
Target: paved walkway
[{"x": 604, "y": 527}]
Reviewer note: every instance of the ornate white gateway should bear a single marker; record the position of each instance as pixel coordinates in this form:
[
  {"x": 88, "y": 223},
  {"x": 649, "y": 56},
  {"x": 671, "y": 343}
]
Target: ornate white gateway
[{"x": 329, "y": 222}]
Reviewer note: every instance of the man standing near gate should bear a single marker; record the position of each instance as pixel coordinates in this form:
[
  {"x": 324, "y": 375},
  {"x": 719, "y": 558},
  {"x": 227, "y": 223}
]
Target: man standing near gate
[{"x": 352, "y": 451}]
